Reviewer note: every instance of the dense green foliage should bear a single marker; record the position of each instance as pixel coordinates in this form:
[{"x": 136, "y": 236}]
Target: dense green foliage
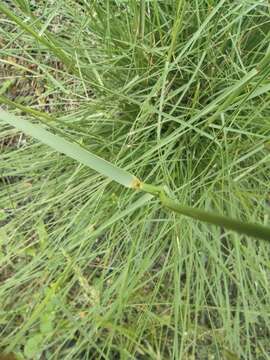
[{"x": 177, "y": 93}]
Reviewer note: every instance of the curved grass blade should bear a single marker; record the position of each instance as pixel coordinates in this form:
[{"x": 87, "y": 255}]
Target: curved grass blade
[{"x": 72, "y": 150}]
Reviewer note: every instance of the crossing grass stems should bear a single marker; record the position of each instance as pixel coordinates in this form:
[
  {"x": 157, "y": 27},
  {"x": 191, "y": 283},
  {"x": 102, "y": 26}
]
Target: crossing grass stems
[{"x": 176, "y": 93}]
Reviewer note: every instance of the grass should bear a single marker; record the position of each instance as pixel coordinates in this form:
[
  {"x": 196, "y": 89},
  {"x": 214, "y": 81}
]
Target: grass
[
  {"x": 121, "y": 176},
  {"x": 177, "y": 94}
]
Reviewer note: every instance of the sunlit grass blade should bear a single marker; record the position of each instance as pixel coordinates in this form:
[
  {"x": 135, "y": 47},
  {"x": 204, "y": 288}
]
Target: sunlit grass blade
[{"x": 70, "y": 149}]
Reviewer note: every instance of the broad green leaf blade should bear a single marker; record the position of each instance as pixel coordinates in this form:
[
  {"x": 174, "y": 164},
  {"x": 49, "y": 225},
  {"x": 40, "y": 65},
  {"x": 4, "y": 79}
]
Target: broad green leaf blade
[{"x": 72, "y": 150}]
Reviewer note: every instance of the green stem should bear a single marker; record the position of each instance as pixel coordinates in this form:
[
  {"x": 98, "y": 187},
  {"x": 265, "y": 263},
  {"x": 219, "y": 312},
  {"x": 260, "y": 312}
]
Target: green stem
[
  {"x": 264, "y": 62},
  {"x": 27, "y": 109},
  {"x": 255, "y": 230},
  {"x": 40, "y": 38},
  {"x": 151, "y": 189},
  {"x": 142, "y": 18}
]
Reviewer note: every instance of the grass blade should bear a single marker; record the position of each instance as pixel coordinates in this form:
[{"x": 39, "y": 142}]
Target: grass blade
[
  {"x": 128, "y": 180},
  {"x": 70, "y": 149},
  {"x": 39, "y": 38}
]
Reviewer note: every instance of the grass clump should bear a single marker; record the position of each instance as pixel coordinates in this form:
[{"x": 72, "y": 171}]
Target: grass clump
[{"x": 176, "y": 93}]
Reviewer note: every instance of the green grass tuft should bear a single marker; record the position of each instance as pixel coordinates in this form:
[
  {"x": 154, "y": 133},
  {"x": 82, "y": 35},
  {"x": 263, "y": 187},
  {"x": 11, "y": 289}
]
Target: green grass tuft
[{"x": 176, "y": 93}]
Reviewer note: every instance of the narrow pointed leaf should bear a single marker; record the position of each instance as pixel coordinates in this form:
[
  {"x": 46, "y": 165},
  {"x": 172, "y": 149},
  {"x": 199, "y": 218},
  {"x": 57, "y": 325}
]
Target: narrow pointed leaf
[{"x": 70, "y": 149}]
